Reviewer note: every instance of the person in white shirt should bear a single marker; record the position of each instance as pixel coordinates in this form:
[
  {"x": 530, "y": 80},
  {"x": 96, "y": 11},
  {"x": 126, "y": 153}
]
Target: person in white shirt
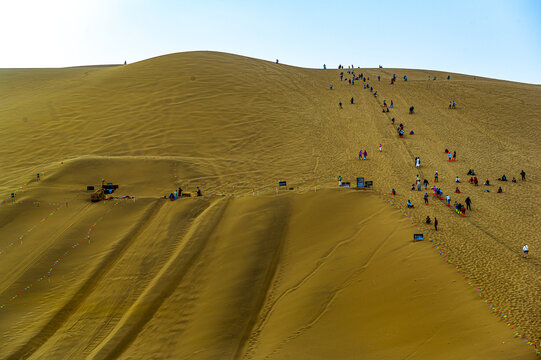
[{"x": 525, "y": 248}]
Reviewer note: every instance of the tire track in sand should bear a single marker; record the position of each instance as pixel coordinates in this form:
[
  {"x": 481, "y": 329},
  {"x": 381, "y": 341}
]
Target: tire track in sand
[
  {"x": 332, "y": 296},
  {"x": 72, "y": 305},
  {"x": 269, "y": 309},
  {"x": 162, "y": 285}
]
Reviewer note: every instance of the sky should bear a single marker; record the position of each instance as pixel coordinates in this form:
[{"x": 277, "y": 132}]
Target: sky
[{"x": 497, "y": 39}]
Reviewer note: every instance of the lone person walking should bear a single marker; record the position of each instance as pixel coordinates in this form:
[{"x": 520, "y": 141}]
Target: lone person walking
[
  {"x": 468, "y": 203},
  {"x": 436, "y": 224}
]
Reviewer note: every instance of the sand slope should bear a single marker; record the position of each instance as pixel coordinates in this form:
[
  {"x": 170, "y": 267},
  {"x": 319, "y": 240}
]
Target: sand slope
[{"x": 243, "y": 272}]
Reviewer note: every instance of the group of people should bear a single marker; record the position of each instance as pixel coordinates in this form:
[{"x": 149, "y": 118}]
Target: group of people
[
  {"x": 178, "y": 194},
  {"x": 452, "y": 157},
  {"x": 362, "y": 154}
]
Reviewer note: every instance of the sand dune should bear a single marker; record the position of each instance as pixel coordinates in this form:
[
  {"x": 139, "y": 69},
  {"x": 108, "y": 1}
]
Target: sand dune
[{"x": 244, "y": 271}]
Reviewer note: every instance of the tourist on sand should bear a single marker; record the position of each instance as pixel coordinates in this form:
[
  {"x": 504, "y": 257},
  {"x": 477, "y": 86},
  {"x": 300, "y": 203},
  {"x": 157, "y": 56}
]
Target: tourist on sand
[
  {"x": 379, "y": 147},
  {"x": 457, "y": 179},
  {"x": 448, "y": 200},
  {"x": 365, "y": 153},
  {"x": 514, "y": 180},
  {"x": 339, "y": 180},
  {"x": 428, "y": 221},
  {"x": 523, "y": 174},
  {"x": 425, "y": 182},
  {"x": 503, "y": 178},
  {"x": 486, "y": 183},
  {"x": 454, "y": 155},
  {"x": 277, "y": 61},
  {"x": 412, "y": 187},
  {"x": 179, "y": 191},
  {"x": 352, "y": 100},
  {"x": 37, "y": 176},
  {"x": 199, "y": 192},
  {"x": 436, "y": 176},
  {"x": 340, "y": 104},
  {"x": 393, "y": 192},
  {"x": 330, "y": 86},
  {"x": 391, "y": 104},
  {"x": 360, "y": 154},
  {"x": 468, "y": 203},
  {"x": 500, "y": 190},
  {"x": 418, "y": 186},
  {"x": 341, "y": 75},
  {"x": 409, "y": 204},
  {"x": 426, "y": 198},
  {"x": 526, "y": 250},
  {"x": 436, "y": 223},
  {"x": 457, "y": 190},
  {"x": 450, "y": 156}
]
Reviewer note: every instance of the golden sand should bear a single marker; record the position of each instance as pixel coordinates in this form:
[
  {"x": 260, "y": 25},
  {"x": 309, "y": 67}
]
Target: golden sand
[{"x": 248, "y": 271}]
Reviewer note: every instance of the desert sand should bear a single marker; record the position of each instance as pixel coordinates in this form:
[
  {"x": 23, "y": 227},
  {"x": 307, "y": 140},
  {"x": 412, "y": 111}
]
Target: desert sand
[{"x": 250, "y": 270}]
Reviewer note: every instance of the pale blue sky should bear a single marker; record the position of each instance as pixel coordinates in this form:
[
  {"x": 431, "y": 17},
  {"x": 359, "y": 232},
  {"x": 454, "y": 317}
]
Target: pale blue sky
[{"x": 499, "y": 39}]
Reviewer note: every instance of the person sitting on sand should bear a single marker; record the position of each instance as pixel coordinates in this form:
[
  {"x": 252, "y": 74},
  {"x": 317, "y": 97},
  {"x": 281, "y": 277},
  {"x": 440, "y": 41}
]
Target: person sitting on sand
[
  {"x": 500, "y": 190},
  {"x": 457, "y": 179},
  {"x": 446, "y": 151},
  {"x": 471, "y": 180},
  {"x": 486, "y": 183},
  {"x": 393, "y": 192},
  {"x": 457, "y": 190},
  {"x": 475, "y": 181},
  {"x": 514, "y": 180},
  {"x": 199, "y": 192},
  {"x": 428, "y": 221},
  {"x": 412, "y": 187},
  {"x": 409, "y": 204},
  {"x": 503, "y": 178}
]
